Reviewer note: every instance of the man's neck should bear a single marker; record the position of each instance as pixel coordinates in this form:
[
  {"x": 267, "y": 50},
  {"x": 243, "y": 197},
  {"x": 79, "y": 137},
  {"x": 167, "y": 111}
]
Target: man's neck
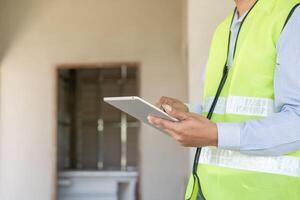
[{"x": 243, "y": 6}]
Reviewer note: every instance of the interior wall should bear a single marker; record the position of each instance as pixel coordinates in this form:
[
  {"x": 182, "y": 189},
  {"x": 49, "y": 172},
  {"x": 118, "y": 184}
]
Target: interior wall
[
  {"x": 40, "y": 35},
  {"x": 203, "y": 18}
]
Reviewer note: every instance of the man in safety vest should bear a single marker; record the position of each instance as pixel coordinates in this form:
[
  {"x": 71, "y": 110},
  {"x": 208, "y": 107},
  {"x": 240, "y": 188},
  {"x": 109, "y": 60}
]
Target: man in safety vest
[{"x": 249, "y": 127}]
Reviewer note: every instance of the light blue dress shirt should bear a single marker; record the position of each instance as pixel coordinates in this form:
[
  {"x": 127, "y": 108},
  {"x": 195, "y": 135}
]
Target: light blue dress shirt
[{"x": 279, "y": 133}]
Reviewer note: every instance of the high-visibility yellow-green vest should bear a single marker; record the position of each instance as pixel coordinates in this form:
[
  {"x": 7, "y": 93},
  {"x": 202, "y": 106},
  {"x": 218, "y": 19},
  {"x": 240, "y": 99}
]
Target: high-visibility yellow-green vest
[{"x": 247, "y": 94}]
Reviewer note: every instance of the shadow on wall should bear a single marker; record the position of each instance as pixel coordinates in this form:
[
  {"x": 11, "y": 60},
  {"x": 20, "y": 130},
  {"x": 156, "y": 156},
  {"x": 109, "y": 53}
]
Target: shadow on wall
[{"x": 14, "y": 16}]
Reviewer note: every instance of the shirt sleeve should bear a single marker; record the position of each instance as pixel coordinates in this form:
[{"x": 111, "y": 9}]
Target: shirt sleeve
[
  {"x": 279, "y": 133},
  {"x": 197, "y": 108},
  {"x": 194, "y": 108}
]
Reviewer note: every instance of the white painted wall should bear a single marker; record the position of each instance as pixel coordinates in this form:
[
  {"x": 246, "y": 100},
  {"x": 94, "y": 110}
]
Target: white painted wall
[
  {"x": 203, "y": 18},
  {"x": 40, "y": 34}
]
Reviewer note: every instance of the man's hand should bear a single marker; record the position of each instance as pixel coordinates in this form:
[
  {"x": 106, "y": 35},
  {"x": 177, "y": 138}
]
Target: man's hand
[
  {"x": 191, "y": 131},
  {"x": 174, "y": 103}
]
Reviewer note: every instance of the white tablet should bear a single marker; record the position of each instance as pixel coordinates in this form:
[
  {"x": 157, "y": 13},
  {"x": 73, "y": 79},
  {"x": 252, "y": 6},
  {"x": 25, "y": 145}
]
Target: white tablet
[{"x": 138, "y": 108}]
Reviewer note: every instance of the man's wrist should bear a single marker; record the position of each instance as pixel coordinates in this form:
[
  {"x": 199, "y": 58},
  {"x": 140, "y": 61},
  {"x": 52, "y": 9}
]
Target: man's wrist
[{"x": 214, "y": 135}]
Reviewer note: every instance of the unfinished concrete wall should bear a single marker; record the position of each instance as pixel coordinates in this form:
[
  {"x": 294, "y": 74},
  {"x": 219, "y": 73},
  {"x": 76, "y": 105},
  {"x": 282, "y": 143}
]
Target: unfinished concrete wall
[
  {"x": 203, "y": 18},
  {"x": 41, "y": 34}
]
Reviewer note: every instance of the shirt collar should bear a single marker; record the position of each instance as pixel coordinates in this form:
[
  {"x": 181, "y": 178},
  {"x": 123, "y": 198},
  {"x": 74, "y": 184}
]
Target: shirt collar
[{"x": 238, "y": 20}]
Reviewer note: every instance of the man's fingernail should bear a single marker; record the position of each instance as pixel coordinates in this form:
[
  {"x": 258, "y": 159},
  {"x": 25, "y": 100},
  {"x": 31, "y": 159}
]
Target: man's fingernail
[
  {"x": 167, "y": 108},
  {"x": 149, "y": 119}
]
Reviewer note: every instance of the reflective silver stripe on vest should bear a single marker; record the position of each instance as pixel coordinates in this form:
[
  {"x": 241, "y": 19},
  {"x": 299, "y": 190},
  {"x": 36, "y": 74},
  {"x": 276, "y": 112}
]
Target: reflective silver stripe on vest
[
  {"x": 239, "y": 105},
  {"x": 283, "y": 165}
]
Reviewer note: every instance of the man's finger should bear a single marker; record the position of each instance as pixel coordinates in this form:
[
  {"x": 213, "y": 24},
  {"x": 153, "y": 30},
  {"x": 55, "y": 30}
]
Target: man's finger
[
  {"x": 171, "y": 133},
  {"x": 158, "y": 105},
  {"x": 174, "y": 113},
  {"x": 162, "y": 123},
  {"x": 162, "y": 100}
]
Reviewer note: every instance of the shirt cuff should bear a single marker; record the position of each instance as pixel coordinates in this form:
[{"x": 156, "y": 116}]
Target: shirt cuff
[
  {"x": 194, "y": 108},
  {"x": 229, "y": 135}
]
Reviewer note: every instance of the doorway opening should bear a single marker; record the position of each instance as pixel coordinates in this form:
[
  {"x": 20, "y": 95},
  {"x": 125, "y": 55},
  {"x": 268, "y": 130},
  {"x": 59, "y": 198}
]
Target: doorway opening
[{"x": 97, "y": 155}]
